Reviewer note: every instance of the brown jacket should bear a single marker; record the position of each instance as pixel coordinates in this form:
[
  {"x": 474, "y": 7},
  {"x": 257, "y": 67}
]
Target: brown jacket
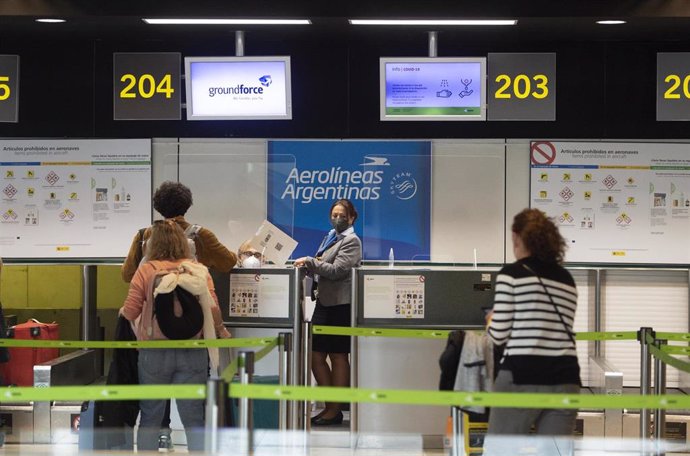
[{"x": 209, "y": 251}]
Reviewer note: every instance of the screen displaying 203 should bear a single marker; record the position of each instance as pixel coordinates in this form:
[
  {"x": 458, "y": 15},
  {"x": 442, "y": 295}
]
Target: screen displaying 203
[
  {"x": 433, "y": 89},
  {"x": 238, "y": 89}
]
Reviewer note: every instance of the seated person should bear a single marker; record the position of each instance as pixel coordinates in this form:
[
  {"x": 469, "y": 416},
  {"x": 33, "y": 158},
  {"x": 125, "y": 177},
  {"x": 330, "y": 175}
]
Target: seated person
[{"x": 248, "y": 256}]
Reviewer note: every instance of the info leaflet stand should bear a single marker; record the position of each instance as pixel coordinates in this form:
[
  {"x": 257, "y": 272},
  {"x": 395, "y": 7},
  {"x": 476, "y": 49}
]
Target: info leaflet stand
[
  {"x": 263, "y": 302},
  {"x": 433, "y": 297}
]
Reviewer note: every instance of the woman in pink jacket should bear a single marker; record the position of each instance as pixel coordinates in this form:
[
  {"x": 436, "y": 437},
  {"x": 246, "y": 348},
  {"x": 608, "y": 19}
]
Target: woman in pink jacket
[{"x": 168, "y": 250}]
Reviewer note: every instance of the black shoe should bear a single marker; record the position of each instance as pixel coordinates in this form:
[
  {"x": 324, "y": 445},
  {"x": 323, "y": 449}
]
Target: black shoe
[
  {"x": 317, "y": 416},
  {"x": 338, "y": 419}
]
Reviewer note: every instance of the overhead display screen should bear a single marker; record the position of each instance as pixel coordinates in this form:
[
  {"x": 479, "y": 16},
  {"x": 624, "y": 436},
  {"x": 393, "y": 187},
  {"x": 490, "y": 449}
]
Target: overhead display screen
[
  {"x": 433, "y": 88},
  {"x": 238, "y": 88}
]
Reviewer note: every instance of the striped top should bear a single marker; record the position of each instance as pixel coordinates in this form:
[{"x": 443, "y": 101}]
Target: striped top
[{"x": 538, "y": 348}]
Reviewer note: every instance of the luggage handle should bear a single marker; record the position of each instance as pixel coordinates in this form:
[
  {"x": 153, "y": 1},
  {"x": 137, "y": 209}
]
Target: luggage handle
[
  {"x": 36, "y": 330},
  {"x": 39, "y": 322}
]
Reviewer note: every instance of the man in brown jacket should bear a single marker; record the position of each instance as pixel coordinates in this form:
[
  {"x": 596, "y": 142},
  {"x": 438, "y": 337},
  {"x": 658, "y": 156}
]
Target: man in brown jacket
[{"x": 172, "y": 200}]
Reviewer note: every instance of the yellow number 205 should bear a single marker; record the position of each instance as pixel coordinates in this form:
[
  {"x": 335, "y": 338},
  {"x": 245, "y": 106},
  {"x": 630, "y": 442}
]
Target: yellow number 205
[
  {"x": 522, "y": 86},
  {"x": 4, "y": 88},
  {"x": 146, "y": 86},
  {"x": 675, "y": 81}
]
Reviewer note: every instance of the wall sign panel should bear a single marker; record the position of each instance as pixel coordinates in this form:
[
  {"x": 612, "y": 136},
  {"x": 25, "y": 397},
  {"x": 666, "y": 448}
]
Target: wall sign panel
[
  {"x": 73, "y": 198},
  {"x": 9, "y": 88},
  {"x": 146, "y": 86},
  {"x": 615, "y": 202},
  {"x": 522, "y": 86}
]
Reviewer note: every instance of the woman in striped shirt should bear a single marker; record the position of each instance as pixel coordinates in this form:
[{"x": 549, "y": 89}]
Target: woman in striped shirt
[{"x": 533, "y": 315}]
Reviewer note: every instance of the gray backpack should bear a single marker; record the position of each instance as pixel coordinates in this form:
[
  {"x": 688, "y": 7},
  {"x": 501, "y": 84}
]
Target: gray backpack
[{"x": 192, "y": 233}]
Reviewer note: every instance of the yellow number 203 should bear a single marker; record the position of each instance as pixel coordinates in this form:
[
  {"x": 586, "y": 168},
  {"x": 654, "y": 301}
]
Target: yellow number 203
[
  {"x": 522, "y": 86},
  {"x": 4, "y": 88},
  {"x": 146, "y": 86},
  {"x": 675, "y": 81}
]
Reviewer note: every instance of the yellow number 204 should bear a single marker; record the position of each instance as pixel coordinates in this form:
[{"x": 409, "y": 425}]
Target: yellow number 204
[
  {"x": 4, "y": 88},
  {"x": 675, "y": 81},
  {"x": 522, "y": 86},
  {"x": 145, "y": 86}
]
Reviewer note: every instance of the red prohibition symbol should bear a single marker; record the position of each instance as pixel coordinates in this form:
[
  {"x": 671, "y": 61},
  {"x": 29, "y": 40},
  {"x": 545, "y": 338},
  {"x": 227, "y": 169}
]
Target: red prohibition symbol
[{"x": 542, "y": 153}]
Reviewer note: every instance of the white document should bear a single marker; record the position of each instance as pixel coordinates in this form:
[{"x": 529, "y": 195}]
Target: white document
[
  {"x": 394, "y": 296},
  {"x": 259, "y": 296},
  {"x": 274, "y": 244}
]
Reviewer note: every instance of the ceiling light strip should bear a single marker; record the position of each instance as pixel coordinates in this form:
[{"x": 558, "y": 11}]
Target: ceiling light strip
[
  {"x": 433, "y": 22},
  {"x": 217, "y": 21}
]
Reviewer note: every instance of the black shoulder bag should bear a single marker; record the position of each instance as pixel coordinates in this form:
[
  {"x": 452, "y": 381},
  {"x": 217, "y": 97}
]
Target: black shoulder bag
[{"x": 546, "y": 290}]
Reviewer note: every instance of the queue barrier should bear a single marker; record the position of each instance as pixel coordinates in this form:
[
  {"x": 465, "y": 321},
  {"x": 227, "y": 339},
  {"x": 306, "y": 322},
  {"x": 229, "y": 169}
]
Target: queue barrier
[
  {"x": 442, "y": 334},
  {"x": 246, "y": 390},
  {"x": 645, "y": 417},
  {"x": 194, "y": 343},
  {"x": 655, "y": 344},
  {"x": 23, "y": 403}
]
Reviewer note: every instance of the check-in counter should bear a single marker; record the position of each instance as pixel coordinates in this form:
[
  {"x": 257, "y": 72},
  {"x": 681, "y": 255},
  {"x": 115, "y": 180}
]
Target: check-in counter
[
  {"x": 410, "y": 298},
  {"x": 264, "y": 302}
]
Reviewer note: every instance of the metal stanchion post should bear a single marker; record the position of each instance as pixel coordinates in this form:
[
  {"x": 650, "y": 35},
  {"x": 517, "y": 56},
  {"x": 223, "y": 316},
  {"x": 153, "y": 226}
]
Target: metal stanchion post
[
  {"x": 284, "y": 362},
  {"x": 216, "y": 394},
  {"x": 659, "y": 389},
  {"x": 456, "y": 445},
  {"x": 645, "y": 380},
  {"x": 306, "y": 372},
  {"x": 245, "y": 410}
]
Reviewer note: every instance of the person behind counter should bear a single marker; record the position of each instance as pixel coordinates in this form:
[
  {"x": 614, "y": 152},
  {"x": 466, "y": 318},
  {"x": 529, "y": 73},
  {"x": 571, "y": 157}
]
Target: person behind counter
[
  {"x": 167, "y": 249},
  {"x": 340, "y": 251},
  {"x": 248, "y": 256},
  {"x": 533, "y": 315}
]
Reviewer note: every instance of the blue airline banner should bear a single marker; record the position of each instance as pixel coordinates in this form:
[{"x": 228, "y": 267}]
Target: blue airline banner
[{"x": 389, "y": 182}]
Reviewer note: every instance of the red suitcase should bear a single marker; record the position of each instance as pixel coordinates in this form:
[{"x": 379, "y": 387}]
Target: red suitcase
[{"x": 20, "y": 368}]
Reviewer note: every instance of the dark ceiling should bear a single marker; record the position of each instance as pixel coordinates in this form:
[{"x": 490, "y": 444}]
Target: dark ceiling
[{"x": 539, "y": 20}]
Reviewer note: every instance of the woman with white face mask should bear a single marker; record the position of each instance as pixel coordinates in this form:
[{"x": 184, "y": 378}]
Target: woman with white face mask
[{"x": 248, "y": 256}]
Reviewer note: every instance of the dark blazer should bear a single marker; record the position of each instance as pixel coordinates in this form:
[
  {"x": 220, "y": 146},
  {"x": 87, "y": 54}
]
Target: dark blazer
[{"x": 335, "y": 270}]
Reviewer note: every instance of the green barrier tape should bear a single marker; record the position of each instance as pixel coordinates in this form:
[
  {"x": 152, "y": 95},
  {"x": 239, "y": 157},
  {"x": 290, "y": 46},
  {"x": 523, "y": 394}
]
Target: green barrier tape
[
  {"x": 195, "y": 343},
  {"x": 443, "y": 333},
  {"x": 675, "y": 350},
  {"x": 102, "y": 393},
  {"x": 625, "y": 335},
  {"x": 231, "y": 369},
  {"x": 681, "y": 337},
  {"x": 670, "y": 360},
  {"x": 459, "y": 398},
  {"x": 265, "y": 351},
  {"x": 380, "y": 332}
]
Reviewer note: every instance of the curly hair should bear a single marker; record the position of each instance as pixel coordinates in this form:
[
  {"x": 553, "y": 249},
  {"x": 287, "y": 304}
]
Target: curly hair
[
  {"x": 349, "y": 208},
  {"x": 540, "y": 235},
  {"x": 172, "y": 199},
  {"x": 167, "y": 242}
]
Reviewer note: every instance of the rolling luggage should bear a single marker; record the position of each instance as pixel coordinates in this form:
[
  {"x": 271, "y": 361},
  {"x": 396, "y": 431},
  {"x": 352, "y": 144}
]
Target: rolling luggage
[
  {"x": 265, "y": 414},
  {"x": 20, "y": 368},
  {"x": 94, "y": 433}
]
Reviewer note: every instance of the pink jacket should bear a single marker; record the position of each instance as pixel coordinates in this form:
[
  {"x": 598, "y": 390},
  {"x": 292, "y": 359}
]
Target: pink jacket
[{"x": 137, "y": 303}]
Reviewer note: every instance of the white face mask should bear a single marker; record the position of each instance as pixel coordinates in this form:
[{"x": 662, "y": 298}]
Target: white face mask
[{"x": 251, "y": 262}]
